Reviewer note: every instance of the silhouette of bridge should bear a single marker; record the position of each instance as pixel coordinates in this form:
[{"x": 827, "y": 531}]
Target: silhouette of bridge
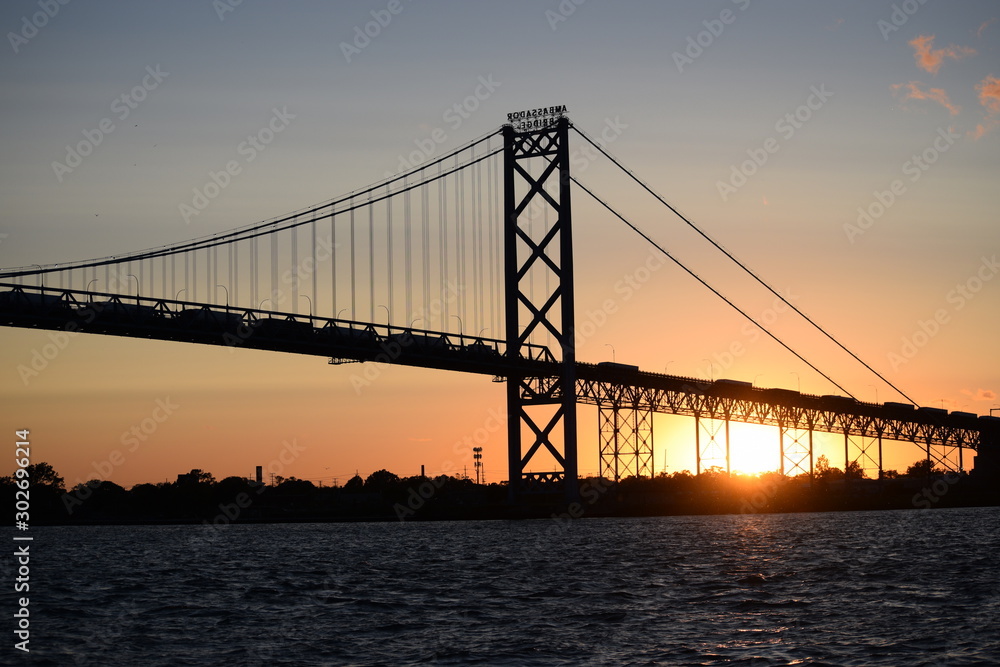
[{"x": 481, "y": 237}]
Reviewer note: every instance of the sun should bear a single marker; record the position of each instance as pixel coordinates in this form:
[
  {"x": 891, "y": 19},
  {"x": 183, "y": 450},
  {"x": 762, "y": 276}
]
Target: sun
[{"x": 753, "y": 448}]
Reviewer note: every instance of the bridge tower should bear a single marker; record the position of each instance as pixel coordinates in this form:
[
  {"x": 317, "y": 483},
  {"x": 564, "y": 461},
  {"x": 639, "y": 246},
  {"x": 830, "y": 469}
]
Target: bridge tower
[{"x": 538, "y": 283}]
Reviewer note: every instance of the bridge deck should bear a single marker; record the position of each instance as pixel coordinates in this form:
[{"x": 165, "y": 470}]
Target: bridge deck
[{"x": 597, "y": 384}]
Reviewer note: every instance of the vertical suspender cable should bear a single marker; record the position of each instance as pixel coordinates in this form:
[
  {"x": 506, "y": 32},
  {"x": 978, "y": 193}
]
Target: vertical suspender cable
[
  {"x": 274, "y": 269},
  {"x": 443, "y": 233},
  {"x": 388, "y": 248},
  {"x": 234, "y": 271},
  {"x": 314, "y": 270},
  {"x": 407, "y": 255},
  {"x": 371, "y": 260},
  {"x": 333, "y": 261},
  {"x": 354, "y": 281},
  {"x": 460, "y": 240},
  {"x": 425, "y": 265},
  {"x": 295, "y": 269}
]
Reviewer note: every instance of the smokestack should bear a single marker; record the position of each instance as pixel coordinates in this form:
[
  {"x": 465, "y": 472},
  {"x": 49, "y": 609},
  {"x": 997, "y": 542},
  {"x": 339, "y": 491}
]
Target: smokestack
[
  {"x": 422, "y": 470},
  {"x": 260, "y": 474}
]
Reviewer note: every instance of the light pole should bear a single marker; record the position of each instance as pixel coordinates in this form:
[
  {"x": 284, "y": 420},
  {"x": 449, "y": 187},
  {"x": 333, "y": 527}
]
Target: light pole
[
  {"x": 129, "y": 275},
  {"x": 612, "y": 351},
  {"x": 339, "y": 312},
  {"x": 711, "y": 369},
  {"x": 875, "y": 387},
  {"x": 227, "y": 294},
  {"x": 461, "y": 327},
  {"x": 87, "y": 289},
  {"x": 387, "y": 314},
  {"x": 668, "y": 365},
  {"x": 306, "y": 297}
]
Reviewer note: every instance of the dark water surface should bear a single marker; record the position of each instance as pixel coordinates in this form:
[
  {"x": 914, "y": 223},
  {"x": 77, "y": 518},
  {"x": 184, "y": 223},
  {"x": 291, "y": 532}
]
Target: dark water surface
[{"x": 875, "y": 588}]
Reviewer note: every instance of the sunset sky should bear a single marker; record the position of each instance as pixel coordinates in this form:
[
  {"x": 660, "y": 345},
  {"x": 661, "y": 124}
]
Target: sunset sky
[{"x": 847, "y": 151}]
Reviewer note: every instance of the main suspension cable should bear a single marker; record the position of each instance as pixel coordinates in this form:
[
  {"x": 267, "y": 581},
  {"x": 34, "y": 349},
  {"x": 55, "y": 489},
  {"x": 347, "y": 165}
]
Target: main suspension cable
[
  {"x": 743, "y": 266},
  {"x": 702, "y": 281}
]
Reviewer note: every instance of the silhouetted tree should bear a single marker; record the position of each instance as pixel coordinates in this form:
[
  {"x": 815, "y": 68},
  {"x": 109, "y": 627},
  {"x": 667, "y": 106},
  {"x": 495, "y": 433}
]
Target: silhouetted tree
[
  {"x": 43, "y": 474},
  {"x": 202, "y": 477},
  {"x": 354, "y": 484},
  {"x": 381, "y": 480},
  {"x": 923, "y": 468},
  {"x": 854, "y": 471},
  {"x": 824, "y": 472}
]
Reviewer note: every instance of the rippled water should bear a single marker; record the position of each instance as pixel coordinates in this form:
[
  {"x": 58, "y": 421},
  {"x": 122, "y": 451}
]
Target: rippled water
[{"x": 876, "y": 588}]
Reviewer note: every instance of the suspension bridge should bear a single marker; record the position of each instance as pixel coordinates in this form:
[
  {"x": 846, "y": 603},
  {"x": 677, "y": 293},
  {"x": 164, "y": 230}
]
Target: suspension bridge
[{"x": 465, "y": 263}]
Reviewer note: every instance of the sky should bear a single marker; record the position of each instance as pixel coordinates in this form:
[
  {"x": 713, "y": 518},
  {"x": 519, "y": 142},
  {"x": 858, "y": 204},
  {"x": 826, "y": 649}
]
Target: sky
[{"x": 846, "y": 151}]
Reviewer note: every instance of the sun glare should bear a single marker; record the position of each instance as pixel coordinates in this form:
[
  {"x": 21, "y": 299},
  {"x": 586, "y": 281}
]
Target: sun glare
[{"x": 753, "y": 449}]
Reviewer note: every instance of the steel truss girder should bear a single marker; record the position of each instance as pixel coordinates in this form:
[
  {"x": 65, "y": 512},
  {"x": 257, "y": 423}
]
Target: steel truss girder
[
  {"x": 942, "y": 444},
  {"x": 626, "y": 436},
  {"x": 541, "y": 409},
  {"x": 707, "y": 434},
  {"x": 796, "y": 446}
]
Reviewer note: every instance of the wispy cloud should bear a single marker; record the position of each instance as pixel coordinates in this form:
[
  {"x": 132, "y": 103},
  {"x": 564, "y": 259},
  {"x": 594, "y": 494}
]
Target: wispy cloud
[
  {"x": 984, "y": 25},
  {"x": 981, "y": 394},
  {"x": 989, "y": 97},
  {"x": 914, "y": 90},
  {"x": 930, "y": 59},
  {"x": 989, "y": 93}
]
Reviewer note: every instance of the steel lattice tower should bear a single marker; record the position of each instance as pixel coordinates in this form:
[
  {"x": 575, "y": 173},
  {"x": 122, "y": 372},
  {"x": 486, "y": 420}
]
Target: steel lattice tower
[{"x": 538, "y": 241}]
